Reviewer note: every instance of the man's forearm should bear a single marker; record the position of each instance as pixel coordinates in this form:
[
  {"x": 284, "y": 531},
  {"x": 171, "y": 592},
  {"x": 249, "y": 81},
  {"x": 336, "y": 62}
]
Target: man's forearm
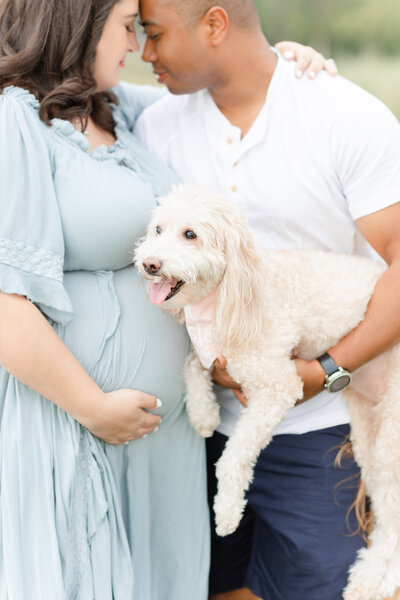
[{"x": 380, "y": 329}]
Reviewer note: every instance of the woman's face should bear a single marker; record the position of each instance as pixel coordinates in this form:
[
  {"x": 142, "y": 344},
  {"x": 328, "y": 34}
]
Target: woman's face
[{"x": 117, "y": 39}]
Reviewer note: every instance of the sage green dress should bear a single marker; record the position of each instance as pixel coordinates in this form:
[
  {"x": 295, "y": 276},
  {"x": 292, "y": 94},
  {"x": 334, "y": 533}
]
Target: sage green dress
[{"x": 80, "y": 519}]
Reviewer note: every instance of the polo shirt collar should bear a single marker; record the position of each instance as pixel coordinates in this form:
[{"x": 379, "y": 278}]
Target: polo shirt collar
[{"x": 224, "y": 136}]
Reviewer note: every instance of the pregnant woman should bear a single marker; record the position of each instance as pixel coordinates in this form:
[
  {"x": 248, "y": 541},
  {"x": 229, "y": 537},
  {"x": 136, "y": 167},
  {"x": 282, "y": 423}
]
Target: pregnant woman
[{"x": 81, "y": 519}]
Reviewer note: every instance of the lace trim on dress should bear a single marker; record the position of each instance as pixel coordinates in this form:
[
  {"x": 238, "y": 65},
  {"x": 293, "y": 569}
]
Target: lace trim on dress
[{"x": 31, "y": 259}]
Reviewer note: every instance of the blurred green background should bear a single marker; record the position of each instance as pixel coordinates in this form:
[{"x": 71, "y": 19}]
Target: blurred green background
[{"x": 362, "y": 35}]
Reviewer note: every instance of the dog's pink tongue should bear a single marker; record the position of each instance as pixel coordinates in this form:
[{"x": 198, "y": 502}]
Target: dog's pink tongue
[{"x": 160, "y": 290}]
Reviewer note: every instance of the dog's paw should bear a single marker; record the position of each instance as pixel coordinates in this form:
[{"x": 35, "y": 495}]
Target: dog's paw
[
  {"x": 228, "y": 513},
  {"x": 359, "y": 593},
  {"x": 224, "y": 529},
  {"x": 204, "y": 419},
  {"x": 205, "y": 430},
  {"x": 373, "y": 576},
  {"x": 391, "y": 580}
]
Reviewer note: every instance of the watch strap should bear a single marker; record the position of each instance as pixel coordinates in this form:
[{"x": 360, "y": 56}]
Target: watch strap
[{"x": 328, "y": 364}]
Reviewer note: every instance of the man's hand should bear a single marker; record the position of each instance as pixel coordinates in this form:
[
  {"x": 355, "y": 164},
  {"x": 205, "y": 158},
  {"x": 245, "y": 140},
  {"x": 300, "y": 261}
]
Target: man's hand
[
  {"x": 311, "y": 373},
  {"x": 222, "y": 378}
]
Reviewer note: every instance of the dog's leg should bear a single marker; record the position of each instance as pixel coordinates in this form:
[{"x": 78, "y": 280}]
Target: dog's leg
[
  {"x": 363, "y": 431},
  {"x": 201, "y": 404},
  {"x": 254, "y": 430},
  {"x": 376, "y": 573}
]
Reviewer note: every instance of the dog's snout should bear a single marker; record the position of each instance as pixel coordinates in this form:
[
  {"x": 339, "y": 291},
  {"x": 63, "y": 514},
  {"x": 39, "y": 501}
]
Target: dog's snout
[{"x": 152, "y": 265}]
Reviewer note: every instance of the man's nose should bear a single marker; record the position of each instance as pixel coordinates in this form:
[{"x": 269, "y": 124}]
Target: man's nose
[
  {"x": 152, "y": 265},
  {"x": 148, "y": 54}
]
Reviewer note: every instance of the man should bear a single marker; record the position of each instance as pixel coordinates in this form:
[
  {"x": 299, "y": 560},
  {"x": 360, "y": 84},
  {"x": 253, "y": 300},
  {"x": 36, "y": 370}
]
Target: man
[{"x": 312, "y": 165}]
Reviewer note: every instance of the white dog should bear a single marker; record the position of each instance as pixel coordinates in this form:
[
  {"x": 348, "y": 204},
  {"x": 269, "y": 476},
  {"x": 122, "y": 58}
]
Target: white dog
[{"x": 269, "y": 303}]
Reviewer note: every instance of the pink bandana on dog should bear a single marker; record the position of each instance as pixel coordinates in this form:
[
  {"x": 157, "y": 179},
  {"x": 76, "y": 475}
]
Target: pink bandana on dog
[{"x": 200, "y": 319}]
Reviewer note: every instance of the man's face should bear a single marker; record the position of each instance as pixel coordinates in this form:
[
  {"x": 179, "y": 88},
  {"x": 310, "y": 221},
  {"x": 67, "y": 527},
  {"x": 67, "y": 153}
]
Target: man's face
[{"x": 177, "y": 51}]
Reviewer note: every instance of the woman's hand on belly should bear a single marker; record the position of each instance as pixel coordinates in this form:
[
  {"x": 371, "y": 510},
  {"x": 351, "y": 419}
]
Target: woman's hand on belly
[{"x": 122, "y": 417}]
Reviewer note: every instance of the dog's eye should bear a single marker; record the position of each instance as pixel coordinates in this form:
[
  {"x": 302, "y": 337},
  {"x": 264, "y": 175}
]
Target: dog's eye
[
  {"x": 190, "y": 235},
  {"x": 158, "y": 230}
]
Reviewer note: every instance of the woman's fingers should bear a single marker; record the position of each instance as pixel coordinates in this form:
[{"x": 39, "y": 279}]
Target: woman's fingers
[
  {"x": 308, "y": 60},
  {"x": 287, "y": 49},
  {"x": 149, "y": 402},
  {"x": 124, "y": 416},
  {"x": 330, "y": 67},
  {"x": 149, "y": 422}
]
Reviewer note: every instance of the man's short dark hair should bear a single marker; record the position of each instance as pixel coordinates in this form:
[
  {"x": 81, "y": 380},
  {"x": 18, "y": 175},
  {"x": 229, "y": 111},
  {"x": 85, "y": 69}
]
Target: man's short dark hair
[{"x": 241, "y": 12}]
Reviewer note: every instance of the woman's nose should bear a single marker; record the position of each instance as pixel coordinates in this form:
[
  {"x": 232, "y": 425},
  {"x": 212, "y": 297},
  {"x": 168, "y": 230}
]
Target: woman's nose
[{"x": 133, "y": 43}]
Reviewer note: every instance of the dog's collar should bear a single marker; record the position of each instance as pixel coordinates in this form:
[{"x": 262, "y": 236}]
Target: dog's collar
[
  {"x": 204, "y": 308},
  {"x": 200, "y": 322}
]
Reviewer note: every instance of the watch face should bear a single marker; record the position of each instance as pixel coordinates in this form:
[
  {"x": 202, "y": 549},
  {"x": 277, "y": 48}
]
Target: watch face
[{"x": 339, "y": 382}]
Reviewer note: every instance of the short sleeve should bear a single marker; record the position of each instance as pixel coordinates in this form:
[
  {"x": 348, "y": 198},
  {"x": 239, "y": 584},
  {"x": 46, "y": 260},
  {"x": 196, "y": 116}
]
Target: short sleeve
[
  {"x": 31, "y": 237},
  {"x": 133, "y": 99},
  {"x": 366, "y": 154}
]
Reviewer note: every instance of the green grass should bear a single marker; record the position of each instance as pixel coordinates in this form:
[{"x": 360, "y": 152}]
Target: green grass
[{"x": 380, "y": 75}]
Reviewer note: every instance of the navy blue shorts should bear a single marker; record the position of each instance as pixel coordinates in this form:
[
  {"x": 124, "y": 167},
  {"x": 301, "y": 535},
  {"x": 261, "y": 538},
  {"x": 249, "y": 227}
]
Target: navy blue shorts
[{"x": 294, "y": 541}]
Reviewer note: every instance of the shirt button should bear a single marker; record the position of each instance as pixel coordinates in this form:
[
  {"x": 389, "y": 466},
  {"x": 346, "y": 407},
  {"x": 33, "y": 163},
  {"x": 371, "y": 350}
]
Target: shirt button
[
  {"x": 229, "y": 140},
  {"x": 234, "y": 188},
  {"x": 235, "y": 164}
]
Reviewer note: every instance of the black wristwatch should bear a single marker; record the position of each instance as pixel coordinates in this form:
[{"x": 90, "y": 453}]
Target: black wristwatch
[{"x": 336, "y": 378}]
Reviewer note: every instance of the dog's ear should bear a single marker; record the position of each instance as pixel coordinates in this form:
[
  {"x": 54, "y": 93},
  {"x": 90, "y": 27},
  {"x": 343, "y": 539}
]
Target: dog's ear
[{"x": 239, "y": 307}]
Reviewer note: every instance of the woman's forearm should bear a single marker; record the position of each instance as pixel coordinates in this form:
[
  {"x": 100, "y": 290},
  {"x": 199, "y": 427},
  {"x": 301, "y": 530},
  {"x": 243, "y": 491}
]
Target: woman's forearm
[{"x": 33, "y": 353}]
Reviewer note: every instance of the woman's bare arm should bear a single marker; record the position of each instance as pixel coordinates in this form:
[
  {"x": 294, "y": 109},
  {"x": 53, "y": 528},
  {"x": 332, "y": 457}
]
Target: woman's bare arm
[{"x": 32, "y": 352}]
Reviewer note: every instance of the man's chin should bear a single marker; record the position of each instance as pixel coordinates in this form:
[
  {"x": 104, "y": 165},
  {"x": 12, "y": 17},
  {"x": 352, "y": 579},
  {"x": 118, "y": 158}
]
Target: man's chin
[{"x": 181, "y": 89}]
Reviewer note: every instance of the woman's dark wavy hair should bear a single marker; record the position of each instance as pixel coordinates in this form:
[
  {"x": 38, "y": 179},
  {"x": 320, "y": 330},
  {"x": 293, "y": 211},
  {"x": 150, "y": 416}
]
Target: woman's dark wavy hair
[{"x": 49, "y": 48}]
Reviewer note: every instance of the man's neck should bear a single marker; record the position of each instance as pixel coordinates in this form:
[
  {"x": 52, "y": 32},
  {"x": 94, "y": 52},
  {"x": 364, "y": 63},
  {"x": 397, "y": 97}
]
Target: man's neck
[{"x": 241, "y": 93}]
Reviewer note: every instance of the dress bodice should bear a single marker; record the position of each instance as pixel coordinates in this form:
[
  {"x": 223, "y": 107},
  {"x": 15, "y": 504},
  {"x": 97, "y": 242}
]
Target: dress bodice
[{"x": 105, "y": 197}]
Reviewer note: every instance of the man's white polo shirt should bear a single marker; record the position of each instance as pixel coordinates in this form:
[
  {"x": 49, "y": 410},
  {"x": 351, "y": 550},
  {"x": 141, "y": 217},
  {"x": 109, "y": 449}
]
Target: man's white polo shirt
[{"x": 319, "y": 155}]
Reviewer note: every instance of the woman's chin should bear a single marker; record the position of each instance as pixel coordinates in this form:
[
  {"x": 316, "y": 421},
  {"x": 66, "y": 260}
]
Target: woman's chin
[{"x": 104, "y": 85}]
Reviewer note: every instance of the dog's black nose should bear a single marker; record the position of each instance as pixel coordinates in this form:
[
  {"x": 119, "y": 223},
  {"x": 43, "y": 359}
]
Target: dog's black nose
[{"x": 152, "y": 265}]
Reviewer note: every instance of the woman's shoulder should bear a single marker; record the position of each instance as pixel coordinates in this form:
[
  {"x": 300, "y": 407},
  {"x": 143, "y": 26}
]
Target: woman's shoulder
[
  {"x": 19, "y": 95},
  {"x": 19, "y": 117},
  {"x": 17, "y": 106}
]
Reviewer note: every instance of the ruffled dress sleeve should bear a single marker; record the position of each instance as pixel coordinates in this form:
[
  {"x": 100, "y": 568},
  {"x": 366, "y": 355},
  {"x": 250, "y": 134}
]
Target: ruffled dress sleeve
[{"x": 31, "y": 237}]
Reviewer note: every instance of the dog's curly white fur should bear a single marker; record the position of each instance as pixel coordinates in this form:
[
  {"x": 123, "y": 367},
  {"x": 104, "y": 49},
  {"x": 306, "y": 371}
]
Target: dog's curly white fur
[{"x": 269, "y": 303}]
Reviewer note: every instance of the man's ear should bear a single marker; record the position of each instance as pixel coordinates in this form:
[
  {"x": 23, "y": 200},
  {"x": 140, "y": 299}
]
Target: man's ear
[{"x": 216, "y": 21}]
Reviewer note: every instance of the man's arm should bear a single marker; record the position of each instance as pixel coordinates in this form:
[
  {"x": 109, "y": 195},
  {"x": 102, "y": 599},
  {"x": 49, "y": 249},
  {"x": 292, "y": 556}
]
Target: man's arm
[{"x": 380, "y": 329}]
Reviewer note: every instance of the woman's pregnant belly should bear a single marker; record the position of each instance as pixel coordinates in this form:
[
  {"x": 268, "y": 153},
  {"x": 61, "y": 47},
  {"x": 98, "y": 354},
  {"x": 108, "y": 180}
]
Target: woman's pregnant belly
[{"x": 121, "y": 339}]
